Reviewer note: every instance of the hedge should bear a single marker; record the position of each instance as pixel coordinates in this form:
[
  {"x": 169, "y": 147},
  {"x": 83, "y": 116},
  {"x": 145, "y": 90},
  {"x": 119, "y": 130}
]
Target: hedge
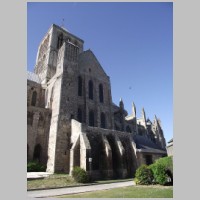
[
  {"x": 162, "y": 170},
  {"x": 80, "y": 175},
  {"x": 143, "y": 175}
]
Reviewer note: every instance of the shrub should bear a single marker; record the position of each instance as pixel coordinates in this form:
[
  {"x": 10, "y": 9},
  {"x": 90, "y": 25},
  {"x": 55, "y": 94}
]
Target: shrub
[
  {"x": 143, "y": 175},
  {"x": 80, "y": 175},
  {"x": 159, "y": 173},
  {"x": 35, "y": 166},
  {"x": 162, "y": 169}
]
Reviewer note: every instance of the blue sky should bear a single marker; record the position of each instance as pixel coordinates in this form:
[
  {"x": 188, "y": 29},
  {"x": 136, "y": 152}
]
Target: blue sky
[{"x": 132, "y": 41}]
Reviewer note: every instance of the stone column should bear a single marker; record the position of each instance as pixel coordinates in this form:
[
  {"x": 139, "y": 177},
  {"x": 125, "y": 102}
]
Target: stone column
[{"x": 85, "y": 151}]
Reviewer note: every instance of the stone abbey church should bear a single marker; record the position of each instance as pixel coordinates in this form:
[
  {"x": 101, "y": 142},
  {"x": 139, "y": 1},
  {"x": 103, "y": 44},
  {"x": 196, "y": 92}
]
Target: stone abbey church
[{"x": 72, "y": 121}]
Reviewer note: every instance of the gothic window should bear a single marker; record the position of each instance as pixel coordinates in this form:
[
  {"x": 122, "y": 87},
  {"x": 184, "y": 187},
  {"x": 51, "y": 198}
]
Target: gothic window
[
  {"x": 60, "y": 41},
  {"x": 91, "y": 118},
  {"x": 103, "y": 120},
  {"x": 101, "y": 93},
  {"x": 90, "y": 89},
  {"x": 128, "y": 129},
  {"x": 37, "y": 152},
  {"x": 79, "y": 86},
  {"x": 79, "y": 115},
  {"x": 34, "y": 98}
]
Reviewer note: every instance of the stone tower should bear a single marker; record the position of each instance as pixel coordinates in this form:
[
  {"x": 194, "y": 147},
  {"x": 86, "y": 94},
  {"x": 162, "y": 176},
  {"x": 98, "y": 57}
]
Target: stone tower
[
  {"x": 48, "y": 51},
  {"x": 76, "y": 88}
]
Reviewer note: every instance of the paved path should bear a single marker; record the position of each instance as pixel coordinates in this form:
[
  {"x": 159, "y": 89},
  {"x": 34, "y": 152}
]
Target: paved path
[{"x": 74, "y": 190}]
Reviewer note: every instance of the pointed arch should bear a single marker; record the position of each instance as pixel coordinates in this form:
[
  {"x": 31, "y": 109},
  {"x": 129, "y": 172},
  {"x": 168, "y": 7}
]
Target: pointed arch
[
  {"x": 60, "y": 41},
  {"x": 91, "y": 118},
  {"x": 90, "y": 86},
  {"x": 101, "y": 99},
  {"x": 80, "y": 85},
  {"x": 34, "y": 98},
  {"x": 103, "y": 120}
]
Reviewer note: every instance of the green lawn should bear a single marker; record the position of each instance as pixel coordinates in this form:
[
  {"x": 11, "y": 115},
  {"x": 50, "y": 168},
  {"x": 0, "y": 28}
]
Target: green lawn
[
  {"x": 53, "y": 181},
  {"x": 61, "y": 180},
  {"x": 155, "y": 191}
]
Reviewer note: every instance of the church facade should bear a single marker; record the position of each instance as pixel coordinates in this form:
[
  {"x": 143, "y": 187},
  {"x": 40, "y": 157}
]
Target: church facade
[{"x": 72, "y": 121}]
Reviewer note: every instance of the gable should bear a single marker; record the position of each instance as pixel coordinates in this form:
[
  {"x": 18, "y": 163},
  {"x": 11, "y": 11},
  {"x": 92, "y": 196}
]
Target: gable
[{"x": 88, "y": 64}]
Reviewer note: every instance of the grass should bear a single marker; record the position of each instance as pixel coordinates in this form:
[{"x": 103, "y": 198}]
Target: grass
[
  {"x": 61, "y": 180},
  {"x": 53, "y": 181},
  {"x": 155, "y": 191}
]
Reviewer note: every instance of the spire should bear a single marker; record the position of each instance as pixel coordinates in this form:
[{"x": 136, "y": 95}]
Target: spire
[
  {"x": 158, "y": 122},
  {"x": 133, "y": 109},
  {"x": 143, "y": 114},
  {"x": 143, "y": 118},
  {"x": 121, "y": 103}
]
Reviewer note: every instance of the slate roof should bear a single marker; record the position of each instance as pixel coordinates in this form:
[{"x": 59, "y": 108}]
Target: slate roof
[
  {"x": 33, "y": 77},
  {"x": 145, "y": 143}
]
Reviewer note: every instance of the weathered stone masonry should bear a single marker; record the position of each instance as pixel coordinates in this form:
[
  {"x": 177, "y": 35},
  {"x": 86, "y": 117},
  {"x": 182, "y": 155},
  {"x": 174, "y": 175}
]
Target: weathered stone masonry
[{"x": 72, "y": 121}]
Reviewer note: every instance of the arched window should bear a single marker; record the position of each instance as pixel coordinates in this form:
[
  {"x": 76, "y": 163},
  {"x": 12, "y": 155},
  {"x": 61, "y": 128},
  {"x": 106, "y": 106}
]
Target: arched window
[
  {"x": 79, "y": 115},
  {"x": 91, "y": 118},
  {"x": 79, "y": 86},
  {"x": 90, "y": 85},
  {"x": 101, "y": 93},
  {"x": 128, "y": 129},
  {"x": 37, "y": 152},
  {"x": 34, "y": 98},
  {"x": 103, "y": 120},
  {"x": 60, "y": 41}
]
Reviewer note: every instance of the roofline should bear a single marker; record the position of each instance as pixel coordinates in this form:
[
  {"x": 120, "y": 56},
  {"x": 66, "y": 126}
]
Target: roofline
[{"x": 151, "y": 151}]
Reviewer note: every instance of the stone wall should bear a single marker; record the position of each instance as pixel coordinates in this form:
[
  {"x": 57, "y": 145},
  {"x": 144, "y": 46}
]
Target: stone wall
[
  {"x": 112, "y": 152},
  {"x": 38, "y": 132},
  {"x": 142, "y": 157},
  {"x": 38, "y": 123},
  {"x": 170, "y": 150}
]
